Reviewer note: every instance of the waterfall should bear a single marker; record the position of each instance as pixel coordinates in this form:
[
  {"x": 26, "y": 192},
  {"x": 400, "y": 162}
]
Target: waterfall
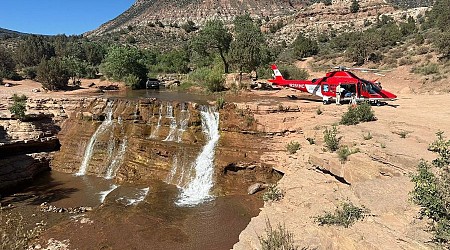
[
  {"x": 184, "y": 120},
  {"x": 197, "y": 190},
  {"x": 90, "y": 147},
  {"x": 118, "y": 158},
  {"x": 173, "y": 123},
  {"x": 158, "y": 125}
]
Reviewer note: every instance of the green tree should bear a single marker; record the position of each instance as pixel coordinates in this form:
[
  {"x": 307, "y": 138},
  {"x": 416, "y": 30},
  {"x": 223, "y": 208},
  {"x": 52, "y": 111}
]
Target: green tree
[
  {"x": 53, "y": 74},
  {"x": 439, "y": 16},
  {"x": 19, "y": 106},
  {"x": 7, "y": 64},
  {"x": 248, "y": 44},
  {"x": 32, "y": 50},
  {"x": 354, "y": 7},
  {"x": 213, "y": 38},
  {"x": 304, "y": 47},
  {"x": 120, "y": 62}
]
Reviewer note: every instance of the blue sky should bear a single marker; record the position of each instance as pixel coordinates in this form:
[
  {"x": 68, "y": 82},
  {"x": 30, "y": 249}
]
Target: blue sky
[{"x": 51, "y": 17}]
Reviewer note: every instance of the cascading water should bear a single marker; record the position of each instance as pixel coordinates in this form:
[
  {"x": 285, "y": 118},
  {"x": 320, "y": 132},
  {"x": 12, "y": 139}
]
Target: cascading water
[
  {"x": 112, "y": 168},
  {"x": 90, "y": 147},
  {"x": 197, "y": 190},
  {"x": 158, "y": 125},
  {"x": 104, "y": 194},
  {"x": 184, "y": 120},
  {"x": 173, "y": 123}
]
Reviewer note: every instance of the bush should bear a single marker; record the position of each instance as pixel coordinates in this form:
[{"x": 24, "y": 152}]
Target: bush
[
  {"x": 19, "y": 106},
  {"x": 292, "y": 72},
  {"x": 432, "y": 189},
  {"x": 311, "y": 140},
  {"x": 304, "y": 47},
  {"x": 220, "y": 102},
  {"x": 292, "y": 147},
  {"x": 426, "y": 69},
  {"x": 132, "y": 81},
  {"x": 277, "y": 239},
  {"x": 331, "y": 139},
  {"x": 212, "y": 79},
  {"x": 344, "y": 152},
  {"x": 345, "y": 215},
  {"x": 361, "y": 113},
  {"x": 273, "y": 193},
  {"x": 53, "y": 74}
]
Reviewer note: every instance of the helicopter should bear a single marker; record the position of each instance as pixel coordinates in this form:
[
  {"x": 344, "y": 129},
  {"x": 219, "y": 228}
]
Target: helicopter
[{"x": 352, "y": 87}]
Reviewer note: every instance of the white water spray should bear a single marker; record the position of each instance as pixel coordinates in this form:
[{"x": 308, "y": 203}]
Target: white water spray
[
  {"x": 184, "y": 121},
  {"x": 118, "y": 158},
  {"x": 90, "y": 147},
  {"x": 173, "y": 123},
  {"x": 104, "y": 194},
  {"x": 197, "y": 191},
  {"x": 158, "y": 125}
]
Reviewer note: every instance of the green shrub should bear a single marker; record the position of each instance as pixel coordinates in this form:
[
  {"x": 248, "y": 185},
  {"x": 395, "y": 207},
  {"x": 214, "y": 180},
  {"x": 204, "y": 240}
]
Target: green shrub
[
  {"x": 220, "y": 102},
  {"x": 292, "y": 147},
  {"x": 273, "y": 193},
  {"x": 292, "y": 72},
  {"x": 319, "y": 111},
  {"x": 277, "y": 239},
  {"x": 432, "y": 189},
  {"x": 344, "y": 152},
  {"x": 345, "y": 215},
  {"x": 132, "y": 81},
  {"x": 331, "y": 139},
  {"x": 212, "y": 79},
  {"x": 19, "y": 106},
  {"x": 361, "y": 113},
  {"x": 426, "y": 69},
  {"x": 442, "y": 147}
]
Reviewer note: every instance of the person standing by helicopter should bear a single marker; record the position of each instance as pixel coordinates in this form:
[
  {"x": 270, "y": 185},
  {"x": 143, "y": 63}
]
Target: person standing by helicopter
[{"x": 338, "y": 94}]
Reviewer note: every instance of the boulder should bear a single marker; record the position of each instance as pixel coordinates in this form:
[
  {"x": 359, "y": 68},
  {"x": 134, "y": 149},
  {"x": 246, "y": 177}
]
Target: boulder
[{"x": 253, "y": 189}]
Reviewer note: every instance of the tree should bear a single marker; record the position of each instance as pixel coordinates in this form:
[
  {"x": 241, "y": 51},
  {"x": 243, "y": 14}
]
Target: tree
[
  {"x": 53, "y": 74},
  {"x": 304, "y": 47},
  {"x": 213, "y": 38},
  {"x": 32, "y": 50},
  {"x": 120, "y": 62},
  {"x": 19, "y": 106},
  {"x": 7, "y": 64},
  {"x": 248, "y": 44},
  {"x": 354, "y": 7}
]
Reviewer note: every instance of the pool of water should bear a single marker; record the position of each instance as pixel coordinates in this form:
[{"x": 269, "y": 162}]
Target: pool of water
[{"x": 135, "y": 216}]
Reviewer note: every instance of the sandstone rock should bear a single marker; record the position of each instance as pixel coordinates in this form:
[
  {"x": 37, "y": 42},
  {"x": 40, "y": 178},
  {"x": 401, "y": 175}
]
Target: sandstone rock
[{"x": 255, "y": 188}]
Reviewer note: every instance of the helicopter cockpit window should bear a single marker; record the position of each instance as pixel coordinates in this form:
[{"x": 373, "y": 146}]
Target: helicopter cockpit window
[
  {"x": 325, "y": 88},
  {"x": 370, "y": 87}
]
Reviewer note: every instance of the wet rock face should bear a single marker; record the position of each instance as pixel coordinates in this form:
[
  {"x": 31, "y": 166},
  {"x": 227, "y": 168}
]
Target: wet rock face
[{"x": 138, "y": 138}]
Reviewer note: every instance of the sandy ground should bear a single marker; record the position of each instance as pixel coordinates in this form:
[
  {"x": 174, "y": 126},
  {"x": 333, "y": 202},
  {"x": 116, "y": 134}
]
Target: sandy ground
[
  {"x": 378, "y": 176},
  {"x": 26, "y": 87}
]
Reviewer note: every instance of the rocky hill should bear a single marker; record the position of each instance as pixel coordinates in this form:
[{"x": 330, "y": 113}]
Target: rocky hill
[
  {"x": 169, "y": 12},
  {"x": 149, "y": 23}
]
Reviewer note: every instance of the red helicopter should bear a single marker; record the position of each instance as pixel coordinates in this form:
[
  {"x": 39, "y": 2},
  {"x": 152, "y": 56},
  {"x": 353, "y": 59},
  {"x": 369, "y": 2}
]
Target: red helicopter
[{"x": 352, "y": 87}]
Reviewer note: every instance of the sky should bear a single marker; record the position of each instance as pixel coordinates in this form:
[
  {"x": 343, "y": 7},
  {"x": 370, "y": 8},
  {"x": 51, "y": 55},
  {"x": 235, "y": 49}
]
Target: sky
[{"x": 51, "y": 17}]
